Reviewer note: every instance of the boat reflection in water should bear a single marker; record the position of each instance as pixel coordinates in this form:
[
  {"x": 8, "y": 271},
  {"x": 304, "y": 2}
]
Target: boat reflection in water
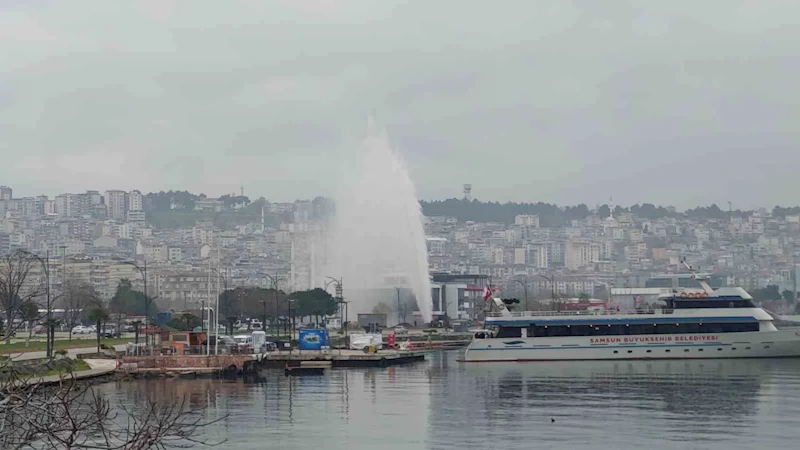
[
  {"x": 620, "y": 401},
  {"x": 443, "y": 404}
]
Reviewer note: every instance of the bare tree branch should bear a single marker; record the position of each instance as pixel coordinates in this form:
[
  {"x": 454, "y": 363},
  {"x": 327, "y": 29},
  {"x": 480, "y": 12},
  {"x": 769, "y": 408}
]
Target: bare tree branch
[
  {"x": 71, "y": 415},
  {"x": 17, "y": 287}
]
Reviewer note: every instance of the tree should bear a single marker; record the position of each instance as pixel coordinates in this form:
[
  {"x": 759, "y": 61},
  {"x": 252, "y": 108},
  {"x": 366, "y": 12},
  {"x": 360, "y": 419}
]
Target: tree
[
  {"x": 583, "y": 298},
  {"x": 128, "y": 301},
  {"x": 314, "y": 302},
  {"x": 253, "y": 302},
  {"x": 382, "y": 308},
  {"x": 788, "y": 295},
  {"x": 186, "y": 322},
  {"x": 77, "y": 298},
  {"x": 30, "y": 314},
  {"x": 99, "y": 316},
  {"x": 770, "y": 292},
  {"x": 16, "y": 287},
  {"x": 72, "y": 415}
]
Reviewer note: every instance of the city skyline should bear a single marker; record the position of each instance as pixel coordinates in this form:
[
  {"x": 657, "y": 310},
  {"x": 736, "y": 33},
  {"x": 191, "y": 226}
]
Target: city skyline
[
  {"x": 723, "y": 205},
  {"x": 677, "y": 103}
]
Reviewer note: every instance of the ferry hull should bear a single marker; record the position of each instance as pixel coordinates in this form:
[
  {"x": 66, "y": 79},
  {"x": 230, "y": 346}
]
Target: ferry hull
[{"x": 770, "y": 344}]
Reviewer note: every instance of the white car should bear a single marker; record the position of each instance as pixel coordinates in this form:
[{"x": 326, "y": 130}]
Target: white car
[
  {"x": 80, "y": 329},
  {"x": 400, "y": 330}
]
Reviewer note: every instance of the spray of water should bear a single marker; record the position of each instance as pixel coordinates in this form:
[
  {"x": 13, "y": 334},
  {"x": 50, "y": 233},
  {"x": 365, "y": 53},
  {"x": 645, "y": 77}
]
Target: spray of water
[{"x": 377, "y": 237}]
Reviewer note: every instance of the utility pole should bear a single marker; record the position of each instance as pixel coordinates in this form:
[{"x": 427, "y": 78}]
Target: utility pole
[
  {"x": 525, "y": 289},
  {"x": 50, "y": 327},
  {"x": 216, "y": 308},
  {"x": 552, "y": 290},
  {"x": 398, "y": 304},
  {"x": 794, "y": 276}
]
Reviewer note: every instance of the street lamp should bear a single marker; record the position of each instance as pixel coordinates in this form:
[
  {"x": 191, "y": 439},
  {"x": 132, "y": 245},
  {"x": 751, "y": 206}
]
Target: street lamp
[
  {"x": 552, "y": 288},
  {"x": 525, "y": 289},
  {"x": 274, "y": 282},
  {"x": 143, "y": 272},
  {"x": 396, "y": 288},
  {"x": 216, "y": 317},
  {"x": 339, "y": 299}
]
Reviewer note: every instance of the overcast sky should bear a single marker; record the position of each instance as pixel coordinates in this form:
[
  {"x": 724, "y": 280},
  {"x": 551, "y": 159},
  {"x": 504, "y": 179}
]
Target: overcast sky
[{"x": 672, "y": 102}]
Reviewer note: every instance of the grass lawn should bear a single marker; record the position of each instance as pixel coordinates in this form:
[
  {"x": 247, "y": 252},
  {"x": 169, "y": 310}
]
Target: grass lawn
[
  {"x": 40, "y": 346},
  {"x": 77, "y": 366}
]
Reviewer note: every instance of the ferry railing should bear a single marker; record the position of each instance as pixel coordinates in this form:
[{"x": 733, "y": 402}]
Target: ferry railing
[{"x": 578, "y": 313}]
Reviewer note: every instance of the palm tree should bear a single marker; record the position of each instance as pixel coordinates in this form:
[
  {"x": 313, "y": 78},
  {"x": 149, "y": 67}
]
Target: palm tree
[{"x": 98, "y": 316}]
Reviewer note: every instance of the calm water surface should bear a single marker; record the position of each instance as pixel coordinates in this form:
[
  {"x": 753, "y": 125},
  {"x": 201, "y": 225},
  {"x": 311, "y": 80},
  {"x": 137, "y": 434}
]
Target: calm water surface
[{"x": 444, "y": 404}]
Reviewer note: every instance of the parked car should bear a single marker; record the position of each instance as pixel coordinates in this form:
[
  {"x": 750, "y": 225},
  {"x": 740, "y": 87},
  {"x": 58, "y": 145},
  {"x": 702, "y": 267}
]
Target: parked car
[
  {"x": 400, "y": 330},
  {"x": 109, "y": 332},
  {"x": 80, "y": 329}
]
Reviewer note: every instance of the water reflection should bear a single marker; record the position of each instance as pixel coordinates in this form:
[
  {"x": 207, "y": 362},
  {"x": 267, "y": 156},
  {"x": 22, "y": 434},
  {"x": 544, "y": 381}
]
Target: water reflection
[{"x": 445, "y": 404}]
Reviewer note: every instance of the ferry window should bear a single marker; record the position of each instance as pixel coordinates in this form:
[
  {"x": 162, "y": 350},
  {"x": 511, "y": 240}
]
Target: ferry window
[
  {"x": 690, "y": 328},
  {"x": 580, "y": 330},
  {"x": 667, "y": 350},
  {"x": 558, "y": 331},
  {"x": 616, "y": 330},
  {"x": 509, "y": 332},
  {"x": 711, "y": 328},
  {"x": 641, "y": 329},
  {"x": 615, "y": 352},
  {"x": 668, "y": 328},
  {"x": 539, "y": 331}
]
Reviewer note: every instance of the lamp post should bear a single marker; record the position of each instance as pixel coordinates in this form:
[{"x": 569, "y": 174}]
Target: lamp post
[
  {"x": 524, "y": 288},
  {"x": 216, "y": 317},
  {"x": 552, "y": 289},
  {"x": 396, "y": 288},
  {"x": 143, "y": 272},
  {"x": 274, "y": 283},
  {"x": 339, "y": 298}
]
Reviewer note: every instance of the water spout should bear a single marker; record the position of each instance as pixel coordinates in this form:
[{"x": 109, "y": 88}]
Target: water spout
[{"x": 377, "y": 234}]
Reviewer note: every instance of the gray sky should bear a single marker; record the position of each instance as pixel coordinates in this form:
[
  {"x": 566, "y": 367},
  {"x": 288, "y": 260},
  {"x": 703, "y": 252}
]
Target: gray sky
[{"x": 672, "y": 102}]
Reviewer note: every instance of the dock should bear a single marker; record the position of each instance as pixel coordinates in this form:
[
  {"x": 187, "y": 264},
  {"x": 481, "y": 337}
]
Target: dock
[{"x": 340, "y": 358}]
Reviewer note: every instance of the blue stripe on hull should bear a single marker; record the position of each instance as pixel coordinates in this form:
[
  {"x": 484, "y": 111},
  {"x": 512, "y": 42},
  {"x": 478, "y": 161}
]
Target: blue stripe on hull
[
  {"x": 623, "y": 321},
  {"x": 606, "y": 347}
]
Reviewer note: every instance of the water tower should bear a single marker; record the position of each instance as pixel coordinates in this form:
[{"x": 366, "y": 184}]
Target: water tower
[{"x": 468, "y": 192}]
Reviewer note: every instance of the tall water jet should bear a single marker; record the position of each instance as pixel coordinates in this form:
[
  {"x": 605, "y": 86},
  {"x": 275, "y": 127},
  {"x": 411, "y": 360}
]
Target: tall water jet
[{"x": 377, "y": 236}]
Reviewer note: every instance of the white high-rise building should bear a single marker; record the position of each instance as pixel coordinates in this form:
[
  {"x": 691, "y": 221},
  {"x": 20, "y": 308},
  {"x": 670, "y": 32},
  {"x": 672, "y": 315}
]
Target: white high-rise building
[
  {"x": 64, "y": 203},
  {"x": 116, "y": 204},
  {"x": 135, "y": 201},
  {"x": 580, "y": 253},
  {"x": 527, "y": 220}
]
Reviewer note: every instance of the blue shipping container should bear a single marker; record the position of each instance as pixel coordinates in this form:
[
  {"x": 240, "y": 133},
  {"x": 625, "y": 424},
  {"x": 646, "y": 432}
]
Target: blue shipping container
[{"x": 313, "y": 339}]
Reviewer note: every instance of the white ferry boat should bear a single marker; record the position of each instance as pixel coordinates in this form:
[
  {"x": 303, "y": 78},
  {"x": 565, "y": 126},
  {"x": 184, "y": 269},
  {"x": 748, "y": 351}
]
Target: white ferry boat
[{"x": 700, "y": 324}]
